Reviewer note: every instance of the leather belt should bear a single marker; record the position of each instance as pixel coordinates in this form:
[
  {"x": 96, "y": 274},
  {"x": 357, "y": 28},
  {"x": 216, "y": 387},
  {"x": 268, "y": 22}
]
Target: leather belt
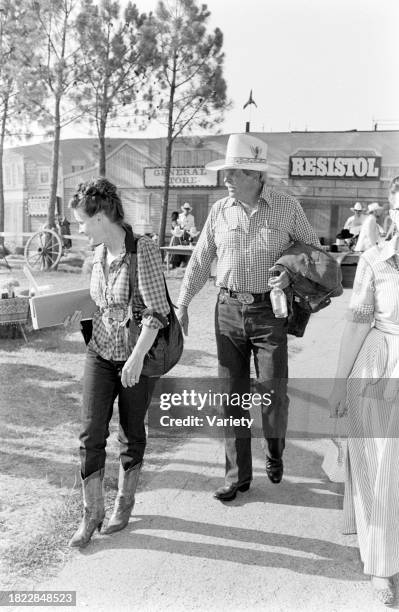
[
  {"x": 115, "y": 313},
  {"x": 244, "y": 296}
]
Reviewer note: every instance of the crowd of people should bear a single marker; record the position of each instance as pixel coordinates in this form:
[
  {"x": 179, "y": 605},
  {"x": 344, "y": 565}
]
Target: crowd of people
[
  {"x": 257, "y": 235},
  {"x": 366, "y": 227}
]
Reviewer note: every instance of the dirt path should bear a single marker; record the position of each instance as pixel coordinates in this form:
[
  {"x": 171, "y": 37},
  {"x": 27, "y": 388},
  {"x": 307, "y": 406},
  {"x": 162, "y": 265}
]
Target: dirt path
[{"x": 277, "y": 548}]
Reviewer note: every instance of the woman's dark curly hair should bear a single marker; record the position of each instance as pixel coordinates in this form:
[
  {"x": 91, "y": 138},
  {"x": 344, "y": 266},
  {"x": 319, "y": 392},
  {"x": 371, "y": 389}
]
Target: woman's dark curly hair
[{"x": 99, "y": 195}]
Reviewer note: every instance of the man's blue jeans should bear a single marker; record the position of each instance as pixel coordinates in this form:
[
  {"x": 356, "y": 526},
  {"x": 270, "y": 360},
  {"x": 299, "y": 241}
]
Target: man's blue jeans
[
  {"x": 242, "y": 330},
  {"x": 101, "y": 385}
]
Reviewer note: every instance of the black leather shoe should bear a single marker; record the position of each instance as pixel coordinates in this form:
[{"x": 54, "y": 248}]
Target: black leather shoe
[
  {"x": 274, "y": 470},
  {"x": 229, "y": 492}
]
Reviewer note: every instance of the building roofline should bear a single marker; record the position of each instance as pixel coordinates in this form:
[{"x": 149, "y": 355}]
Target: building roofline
[{"x": 129, "y": 140}]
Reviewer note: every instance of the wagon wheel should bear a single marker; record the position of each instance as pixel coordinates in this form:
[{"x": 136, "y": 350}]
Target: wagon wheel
[{"x": 43, "y": 250}]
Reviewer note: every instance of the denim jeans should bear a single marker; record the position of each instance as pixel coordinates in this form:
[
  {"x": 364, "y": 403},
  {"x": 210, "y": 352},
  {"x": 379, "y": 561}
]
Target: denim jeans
[
  {"x": 243, "y": 330},
  {"x": 101, "y": 385}
]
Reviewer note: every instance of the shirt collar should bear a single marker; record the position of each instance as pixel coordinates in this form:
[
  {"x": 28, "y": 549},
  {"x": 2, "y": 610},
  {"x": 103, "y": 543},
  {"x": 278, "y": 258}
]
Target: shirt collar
[{"x": 234, "y": 202}]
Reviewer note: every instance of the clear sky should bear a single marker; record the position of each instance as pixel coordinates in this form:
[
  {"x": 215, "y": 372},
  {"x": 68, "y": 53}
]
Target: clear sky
[{"x": 312, "y": 64}]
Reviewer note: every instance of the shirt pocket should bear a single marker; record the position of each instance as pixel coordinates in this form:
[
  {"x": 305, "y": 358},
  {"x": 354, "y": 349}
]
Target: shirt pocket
[
  {"x": 228, "y": 236},
  {"x": 274, "y": 239}
]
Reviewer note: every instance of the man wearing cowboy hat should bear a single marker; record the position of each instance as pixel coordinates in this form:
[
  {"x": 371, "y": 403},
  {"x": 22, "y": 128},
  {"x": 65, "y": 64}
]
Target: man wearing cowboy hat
[
  {"x": 371, "y": 232},
  {"x": 186, "y": 219},
  {"x": 248, "y": 231},
  {"x": 355, "y": 221}
]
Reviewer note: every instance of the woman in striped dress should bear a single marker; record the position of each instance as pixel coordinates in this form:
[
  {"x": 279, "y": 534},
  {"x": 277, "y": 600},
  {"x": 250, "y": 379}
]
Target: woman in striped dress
[{"x": 366, "y": 387}]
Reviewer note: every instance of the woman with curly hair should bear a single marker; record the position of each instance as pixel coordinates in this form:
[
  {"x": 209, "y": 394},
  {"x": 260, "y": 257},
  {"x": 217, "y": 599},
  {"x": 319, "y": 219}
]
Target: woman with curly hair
[{"x": 112, "y": 369}]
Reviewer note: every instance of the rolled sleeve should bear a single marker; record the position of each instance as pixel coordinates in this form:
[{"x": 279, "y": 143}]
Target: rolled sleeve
[
  {"x": 151, "y": 283},
  {"x": 199, "y": 266},
  {"x": 361, "y": 305}
]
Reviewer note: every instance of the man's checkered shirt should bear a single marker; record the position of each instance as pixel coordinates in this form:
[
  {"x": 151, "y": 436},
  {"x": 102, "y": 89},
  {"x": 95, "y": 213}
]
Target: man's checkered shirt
[
  {"x": 108, "y": 338},
  {"x": 245, "y": 247}
]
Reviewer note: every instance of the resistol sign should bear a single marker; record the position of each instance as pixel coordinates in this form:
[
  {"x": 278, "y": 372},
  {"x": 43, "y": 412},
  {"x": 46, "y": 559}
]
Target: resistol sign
[{"x": 335, "y": 167}]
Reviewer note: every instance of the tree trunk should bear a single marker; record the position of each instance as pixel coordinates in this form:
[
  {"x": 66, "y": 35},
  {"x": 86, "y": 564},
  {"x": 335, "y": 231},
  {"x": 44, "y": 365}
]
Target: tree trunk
[
  {"x": 54, "y": 166},
  {"x": 101, "y": 139},
  {"x": 2, "y": 137},
  {"x": 168, "y": 160}
]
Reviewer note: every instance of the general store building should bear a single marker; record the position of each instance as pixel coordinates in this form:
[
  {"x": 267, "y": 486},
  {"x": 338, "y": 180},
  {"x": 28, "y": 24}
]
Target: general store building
[{"x": 327, "y": 171}]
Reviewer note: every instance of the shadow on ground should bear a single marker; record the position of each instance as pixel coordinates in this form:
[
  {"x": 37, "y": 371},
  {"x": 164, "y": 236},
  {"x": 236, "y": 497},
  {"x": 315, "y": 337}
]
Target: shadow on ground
[{"x": 333, "y": 560}]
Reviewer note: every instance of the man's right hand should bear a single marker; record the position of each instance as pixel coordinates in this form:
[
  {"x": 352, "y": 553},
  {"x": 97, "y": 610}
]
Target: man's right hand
[{"x": 182, "y": 316}]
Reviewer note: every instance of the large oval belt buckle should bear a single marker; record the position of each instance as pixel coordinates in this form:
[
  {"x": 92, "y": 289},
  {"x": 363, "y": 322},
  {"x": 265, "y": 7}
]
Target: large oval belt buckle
[
  {"x": 245, "y": 298},
  {"x": 117, "y": 314}
]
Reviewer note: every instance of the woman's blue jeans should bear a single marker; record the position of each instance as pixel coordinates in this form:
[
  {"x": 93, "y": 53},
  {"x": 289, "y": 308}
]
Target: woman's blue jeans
[
  {"x": 243, "y": 330},
  {"x": 101, "y": 385}
]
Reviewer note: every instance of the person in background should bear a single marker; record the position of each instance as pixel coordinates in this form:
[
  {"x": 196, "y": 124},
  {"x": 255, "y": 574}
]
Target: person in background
[
  {"x": 354, "y": 223},
  {"x": 186, "y": 220},
  {"x": 371, "y": 232},
  {"x": 176, "y": 239},
  {"x": 248, "y": 231},
  {"x": 366, "y": 388},
  {"x": 112, "y": 368},
  {"x": 174, "y": 220},
  {"x": 64, "y": 229}
]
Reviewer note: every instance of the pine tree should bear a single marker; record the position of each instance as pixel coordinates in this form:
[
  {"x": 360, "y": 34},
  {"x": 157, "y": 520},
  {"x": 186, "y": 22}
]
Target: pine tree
[
  {"x": 116, "y": 56},
  {"x": 18, "y": 39},
  {"x": 192, "y": 90},
  {"x": 55, "y": 74}
]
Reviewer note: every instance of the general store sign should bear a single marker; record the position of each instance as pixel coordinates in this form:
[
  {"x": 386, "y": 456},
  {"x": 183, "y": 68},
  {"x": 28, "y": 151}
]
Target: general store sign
[
  {"x": 334, "y": 167},
  {"x": 180, "y": 177},
  {"x": 38, "y": 205}
]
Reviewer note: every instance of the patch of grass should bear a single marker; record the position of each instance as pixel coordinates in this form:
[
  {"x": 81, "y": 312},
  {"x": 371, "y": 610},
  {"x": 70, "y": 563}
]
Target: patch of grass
[
  {"x": 40, "y": 383},
  {"x": 46, "y": 550}
]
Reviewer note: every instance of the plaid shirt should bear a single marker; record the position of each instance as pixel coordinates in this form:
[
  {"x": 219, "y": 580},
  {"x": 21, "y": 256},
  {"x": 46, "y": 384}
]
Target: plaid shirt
[
  {"x": 112, "y": 296},
  {"x": 245, "y": 247}
]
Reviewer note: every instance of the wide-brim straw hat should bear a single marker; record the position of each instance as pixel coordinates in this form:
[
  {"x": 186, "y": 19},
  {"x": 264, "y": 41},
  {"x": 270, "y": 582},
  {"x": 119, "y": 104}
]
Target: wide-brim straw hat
[
  {"x": 374, "y": 206},
  {"x": 357, "y": 207},
  {"x": 244, "y": 152}
]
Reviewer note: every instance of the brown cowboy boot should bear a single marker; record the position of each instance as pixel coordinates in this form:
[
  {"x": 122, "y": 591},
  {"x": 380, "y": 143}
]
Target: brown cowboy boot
[
  {"x": 127, "y": 484},
  {"x": 93, "y": 509}
]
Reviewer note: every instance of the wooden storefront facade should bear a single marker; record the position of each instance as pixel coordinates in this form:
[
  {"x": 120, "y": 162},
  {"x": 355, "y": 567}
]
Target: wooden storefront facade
[{"x": 327, "y": 171}]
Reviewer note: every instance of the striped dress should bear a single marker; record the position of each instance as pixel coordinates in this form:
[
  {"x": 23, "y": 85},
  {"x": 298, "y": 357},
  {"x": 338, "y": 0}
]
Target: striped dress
[{"x": 371, "y": 502}]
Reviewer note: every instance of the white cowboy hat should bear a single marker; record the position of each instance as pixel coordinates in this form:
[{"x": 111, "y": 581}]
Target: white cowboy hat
[
  {"x": 374, "y": 206},
  {"x": 357, "y": 206},
  {"x": 244, "y": 152},
  {"x": 186, "y": 206}
]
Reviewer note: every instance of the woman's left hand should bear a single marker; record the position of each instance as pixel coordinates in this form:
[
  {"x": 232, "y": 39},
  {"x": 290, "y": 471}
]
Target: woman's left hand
[
  {"x": 337, "y": 399},
  {"x": 131, "y": 371}
]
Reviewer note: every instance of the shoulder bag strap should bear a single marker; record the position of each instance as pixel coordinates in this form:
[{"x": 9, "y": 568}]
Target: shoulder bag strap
[{"x": 132, "y": 277}]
